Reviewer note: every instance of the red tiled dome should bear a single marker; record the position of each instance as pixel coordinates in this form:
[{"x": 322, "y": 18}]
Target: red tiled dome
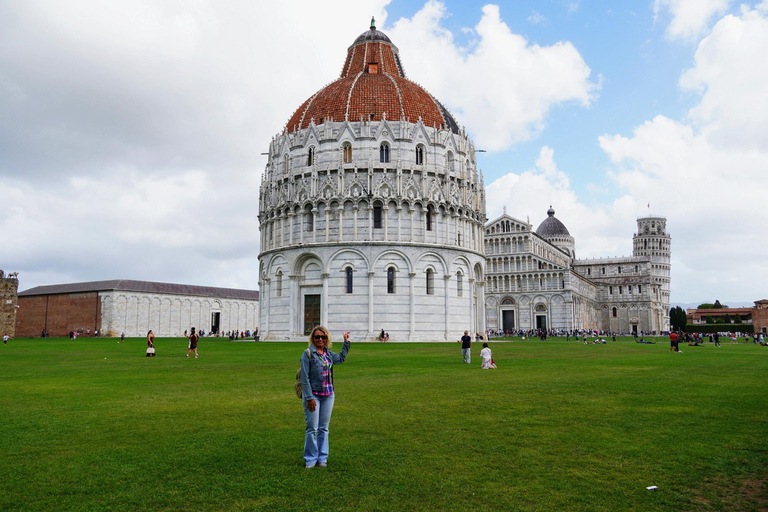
[{"x": 372, "y": 84}]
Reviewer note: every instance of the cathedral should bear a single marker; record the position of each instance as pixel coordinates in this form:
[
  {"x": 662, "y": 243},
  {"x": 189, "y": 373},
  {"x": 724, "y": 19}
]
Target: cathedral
[
  {"x": 534, "y": 280},
  {"x": 372, "y": 220}
]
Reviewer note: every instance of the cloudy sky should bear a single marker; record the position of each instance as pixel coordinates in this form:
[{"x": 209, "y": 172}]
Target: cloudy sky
[{"x": 132, "y": 132}]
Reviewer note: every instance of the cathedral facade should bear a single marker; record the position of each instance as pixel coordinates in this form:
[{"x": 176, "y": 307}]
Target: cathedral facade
[
  {"x": 535, "y": 281},
  {"x": 372, "y": 211}
]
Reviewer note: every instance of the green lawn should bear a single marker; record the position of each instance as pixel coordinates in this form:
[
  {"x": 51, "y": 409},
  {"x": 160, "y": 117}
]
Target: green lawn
[{"x": 93, "y": 425}]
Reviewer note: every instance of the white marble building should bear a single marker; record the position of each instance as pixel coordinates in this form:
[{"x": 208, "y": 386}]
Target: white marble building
[
  {"x": 371, "y": 211},
  {"x": 535, "y": 281},
  {"x": 134, "y": 307}
]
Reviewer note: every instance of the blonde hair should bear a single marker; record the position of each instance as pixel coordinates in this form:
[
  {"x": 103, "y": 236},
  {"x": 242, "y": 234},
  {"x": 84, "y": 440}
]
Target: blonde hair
[{"x": 324, "y": 331}]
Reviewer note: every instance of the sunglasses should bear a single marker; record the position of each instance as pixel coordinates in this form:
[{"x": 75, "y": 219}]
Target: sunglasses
[{"x": 321, "y": 337}]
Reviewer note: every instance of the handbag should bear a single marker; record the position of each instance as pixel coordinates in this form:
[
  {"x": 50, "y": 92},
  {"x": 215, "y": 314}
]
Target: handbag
[{"x": 297, "y": 386}]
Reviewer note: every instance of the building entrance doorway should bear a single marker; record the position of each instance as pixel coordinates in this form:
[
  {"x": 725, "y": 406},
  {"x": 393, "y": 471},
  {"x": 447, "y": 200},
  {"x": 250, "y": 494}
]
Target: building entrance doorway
[
  {"x": 215, "y": 322},
  {"x": 311, "y": 313},
  {"x": 508, "y": 320},
  {"x": 541, "y": 322}
]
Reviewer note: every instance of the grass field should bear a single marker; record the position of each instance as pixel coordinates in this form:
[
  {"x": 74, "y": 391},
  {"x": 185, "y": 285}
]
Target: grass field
[{"x": 93, "y": 425}]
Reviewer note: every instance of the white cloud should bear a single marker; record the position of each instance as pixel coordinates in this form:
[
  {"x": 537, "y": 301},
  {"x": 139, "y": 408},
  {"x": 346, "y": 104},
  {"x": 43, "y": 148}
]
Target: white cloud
[
  {"x": 706, "y": 174},
  {"x": 708, "y": 177},
  {"x": 536, "y": 18},
  {"x": 600, "y": 230},
  {"x": 501, "y": 88},
  {"x": 689, "y": 17},
  {"x": 131, "y": 132}
]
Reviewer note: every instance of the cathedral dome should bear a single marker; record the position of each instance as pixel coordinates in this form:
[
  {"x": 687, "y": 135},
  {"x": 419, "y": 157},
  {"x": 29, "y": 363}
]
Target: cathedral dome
[
  {"x": 372, "y": 87},
  {"x": 551, "y": 227}
]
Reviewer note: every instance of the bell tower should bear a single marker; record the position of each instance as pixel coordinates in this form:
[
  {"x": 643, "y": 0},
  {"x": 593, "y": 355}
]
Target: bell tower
[{"x": 652, "y": 240}]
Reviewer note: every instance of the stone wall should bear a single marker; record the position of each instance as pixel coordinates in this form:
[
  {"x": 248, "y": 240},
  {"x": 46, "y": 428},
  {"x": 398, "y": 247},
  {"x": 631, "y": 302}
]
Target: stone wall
[{"x": 8, "y": 303}]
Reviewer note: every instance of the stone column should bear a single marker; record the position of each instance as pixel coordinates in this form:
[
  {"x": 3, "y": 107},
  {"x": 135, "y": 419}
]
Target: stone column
[
  {"x": 399, "y": 223},
  {"x": 290, "y": 227},
  {"x": 355, "y": 212},
  {"x": 410, "y": 212},
  {"x": 314, "y": 223},
  {"x": 385, "y": 213},
  {"x": 324, "y": 299},
  {"x": 293, "y": 308},
  {"x": 341, "y": 222},
  {"x": 327, "y": 212},
  {"x": 472, "y": 306},
  {"x": 447, "y": 278},
  {"x": 370, "y": 304},
  {"x": 411, "y": 287},
  {"x": 264, "y": 310}
]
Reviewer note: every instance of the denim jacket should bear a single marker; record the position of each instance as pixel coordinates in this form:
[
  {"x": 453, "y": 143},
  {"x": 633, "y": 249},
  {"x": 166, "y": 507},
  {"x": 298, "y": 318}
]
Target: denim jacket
[{"x": 312, "y": 369}]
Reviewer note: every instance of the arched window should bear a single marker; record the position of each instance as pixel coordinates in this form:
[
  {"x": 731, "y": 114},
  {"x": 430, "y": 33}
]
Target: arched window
[
  {"x": 459, "y": 284},
  {"x": 349, "y": 280},
  {"x": 347, "y": 153},
  {"x": 449, "y": 161},
  {"x": 614, "y": 312},
  {"x": 419, "y": 155},
  {"x": 311, "y": 155},
  {"x": 429, "y": 218},
  {"x": 310, "y": 218},
  {"x": 619, "y": 270},
  {"x": 430, "y": 282},
  {"x": 377, "y": 216},
  {"x": 391, "y": 280},
  {"x": 384, "y": 153},
  {"x": 279, "y": 287},
  {"x": 286, "y": 164}
]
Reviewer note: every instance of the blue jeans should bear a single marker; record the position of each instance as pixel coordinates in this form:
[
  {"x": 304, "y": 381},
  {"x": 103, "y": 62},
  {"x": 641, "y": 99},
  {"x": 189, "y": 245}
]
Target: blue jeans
[
  {"x": 316, "y": 437},
  {"x": 467, "y": 353}
]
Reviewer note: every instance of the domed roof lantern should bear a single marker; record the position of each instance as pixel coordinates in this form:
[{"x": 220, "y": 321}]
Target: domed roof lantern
[{"x": 373, "y": 23}]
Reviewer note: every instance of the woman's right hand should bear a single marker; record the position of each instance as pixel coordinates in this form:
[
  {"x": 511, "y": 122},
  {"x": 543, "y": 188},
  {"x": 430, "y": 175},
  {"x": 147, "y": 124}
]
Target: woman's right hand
[{"x": 311, "y": 404}]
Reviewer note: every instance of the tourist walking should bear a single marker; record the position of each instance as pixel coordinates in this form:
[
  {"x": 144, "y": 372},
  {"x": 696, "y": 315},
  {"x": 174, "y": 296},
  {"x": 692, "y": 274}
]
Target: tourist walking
[
  {"x": 192, "y": 342},
  {"x": 150, "y": 344},
  {"x": 317, "y": 393},
  {"x": 466, "y": 347}
]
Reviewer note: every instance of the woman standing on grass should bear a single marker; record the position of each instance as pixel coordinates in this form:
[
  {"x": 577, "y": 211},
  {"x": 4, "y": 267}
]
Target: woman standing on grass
[
  {"x": 192, "y": 342},
  {"x": 317, "y": 393},
  {"x": 150, "y": 343}
]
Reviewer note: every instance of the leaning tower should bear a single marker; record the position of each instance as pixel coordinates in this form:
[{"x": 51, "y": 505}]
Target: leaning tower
[{"x": 653, "y": 241}]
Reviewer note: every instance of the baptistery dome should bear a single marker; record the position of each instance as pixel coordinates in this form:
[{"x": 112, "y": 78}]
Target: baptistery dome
[
  {"x": 372, "y": 87},
  {"x": 371, "y": 211}
]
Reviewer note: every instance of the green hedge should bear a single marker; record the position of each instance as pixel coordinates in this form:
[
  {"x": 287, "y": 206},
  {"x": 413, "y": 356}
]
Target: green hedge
[{"x": 707, "y": 328}]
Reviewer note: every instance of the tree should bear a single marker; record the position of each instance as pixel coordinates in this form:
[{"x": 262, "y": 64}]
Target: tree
[
  {"x": 737, "y": 319},
  {"x": 727, "y": 319},
  {"x": 706, "y": 305},
  {"x": 677, "y": 318},
  {"x": 709, "y": 320}
]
